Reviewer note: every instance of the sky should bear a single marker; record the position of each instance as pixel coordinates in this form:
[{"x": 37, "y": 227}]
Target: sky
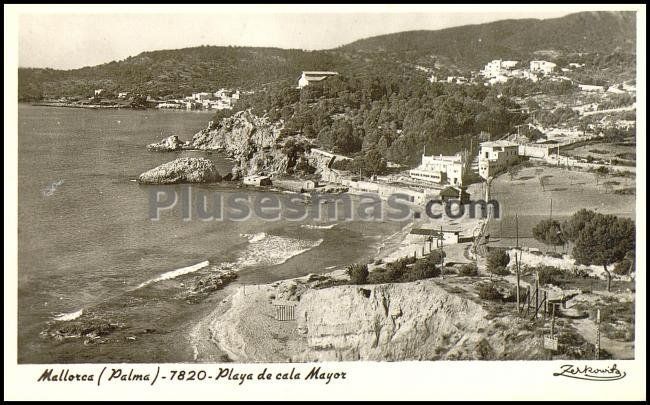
[{"x": 67, "y": 40}]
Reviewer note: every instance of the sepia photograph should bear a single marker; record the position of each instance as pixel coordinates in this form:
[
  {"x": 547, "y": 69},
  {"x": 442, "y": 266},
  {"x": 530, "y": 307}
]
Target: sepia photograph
[{"x": 268, "y": 185}]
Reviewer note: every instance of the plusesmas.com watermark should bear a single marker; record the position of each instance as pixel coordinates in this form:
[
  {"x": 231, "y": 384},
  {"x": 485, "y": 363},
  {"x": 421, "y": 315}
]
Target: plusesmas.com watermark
[{"x": 211, "y": 205}]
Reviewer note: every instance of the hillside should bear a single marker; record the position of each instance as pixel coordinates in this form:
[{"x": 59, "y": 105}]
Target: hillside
[
  {"x": 471, "y": 46},
  {"x": 178, "y": 72},
  {"x": 182, "y": 71}
]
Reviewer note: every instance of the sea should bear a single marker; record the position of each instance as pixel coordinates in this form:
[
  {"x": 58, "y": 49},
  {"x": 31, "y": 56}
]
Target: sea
[{"x": 88, "y": 250}]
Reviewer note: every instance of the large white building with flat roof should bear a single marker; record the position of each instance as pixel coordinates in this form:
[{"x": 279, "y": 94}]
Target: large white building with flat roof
[
  {"x": 495, "y": 156},
  {"x": 440, "y": 169},
  {"x": 313, "y": 76}
]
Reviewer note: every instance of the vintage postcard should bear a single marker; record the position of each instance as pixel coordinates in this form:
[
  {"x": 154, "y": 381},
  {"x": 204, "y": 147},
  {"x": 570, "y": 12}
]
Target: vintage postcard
[{"x": 344, "y": 202}]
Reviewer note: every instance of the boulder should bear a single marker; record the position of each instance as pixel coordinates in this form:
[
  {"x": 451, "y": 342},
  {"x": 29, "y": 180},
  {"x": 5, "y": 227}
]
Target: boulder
[
  {"x": 171, "y": 143},
  {"x": 182, "y": 170}
]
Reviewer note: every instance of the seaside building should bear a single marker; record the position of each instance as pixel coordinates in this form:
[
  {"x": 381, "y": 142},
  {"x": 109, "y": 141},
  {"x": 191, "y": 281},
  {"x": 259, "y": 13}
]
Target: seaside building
[
  {"x": 312, "y": 77},
  {"x": 123, "y": 94},
  {"x": 440, "y": 169},
  {"x": 257, "y": 180},
  {"x": 495, "y": 156},
  {"x": 98, "y": 92}
]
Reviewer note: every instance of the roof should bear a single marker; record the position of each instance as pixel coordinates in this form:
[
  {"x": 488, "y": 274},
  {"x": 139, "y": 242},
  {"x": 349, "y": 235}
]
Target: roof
[
  {"x": 452, "y": 191},
  {"x": 318, "y": 73},
  {"x": 500, "y": 143}
]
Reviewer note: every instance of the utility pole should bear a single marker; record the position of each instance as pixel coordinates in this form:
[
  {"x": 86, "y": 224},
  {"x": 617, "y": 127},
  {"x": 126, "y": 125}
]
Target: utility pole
[
  {"x": 551, "y": 212},
  {"x": 442, "y": 251},
  {"x": 597, "y": 350},
  {"x": 517, "y": 229},
  {"x": 517, "y": 267}
]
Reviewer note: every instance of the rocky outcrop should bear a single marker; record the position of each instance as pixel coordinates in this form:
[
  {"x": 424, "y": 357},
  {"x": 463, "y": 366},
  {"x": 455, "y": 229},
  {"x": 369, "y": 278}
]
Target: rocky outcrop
[
  {"x": 169, "y": 144},
  {"x": 182, "y": 170},
  {"x": 254, "y": 143},
  {"x": 410, "y": 321},
  {"x": 204, "y": 286},
  {"x": 336, "y": 321}
]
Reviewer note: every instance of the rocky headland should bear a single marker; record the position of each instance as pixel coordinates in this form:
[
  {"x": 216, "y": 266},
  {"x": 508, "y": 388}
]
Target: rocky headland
[{"x": 254, "y": 143}]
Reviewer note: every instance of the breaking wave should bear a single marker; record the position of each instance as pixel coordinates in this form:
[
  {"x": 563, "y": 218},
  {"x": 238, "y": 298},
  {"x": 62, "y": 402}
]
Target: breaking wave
[
  {"x": 175, "y": 273},
  {"x": 307, "y": 226},
  {"x": 270, "y": 250},
  {"x": 70, "y": 316}
]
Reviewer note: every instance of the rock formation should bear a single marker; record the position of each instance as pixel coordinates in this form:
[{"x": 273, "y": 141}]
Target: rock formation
[
  {"x": 169, "y": 144},
  {"x": 253, "y": 142},
  {"x": 182, "y": 170}
]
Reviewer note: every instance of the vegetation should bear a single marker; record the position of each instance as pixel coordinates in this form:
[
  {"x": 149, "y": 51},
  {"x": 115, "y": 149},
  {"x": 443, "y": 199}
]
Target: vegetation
[
  {"x": 497, "y": 261},
  {"x": 491, "y": 292},
  {"x": 549, "y": 232},
  {"x": 358, "y": 273},
  {"x": 407, "y": 269},
  {"x": 600, "y": 239},
  {"x": 549, "y": 275},
  {"x": 468, "y": 270}
]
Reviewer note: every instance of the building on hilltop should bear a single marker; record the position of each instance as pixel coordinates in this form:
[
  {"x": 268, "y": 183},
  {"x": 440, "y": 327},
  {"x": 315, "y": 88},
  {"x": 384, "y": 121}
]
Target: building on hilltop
[
  {"x": 440, "y": 169},
  {"x": 495, "y": 156},
  {"x": 312, "y": 77}
]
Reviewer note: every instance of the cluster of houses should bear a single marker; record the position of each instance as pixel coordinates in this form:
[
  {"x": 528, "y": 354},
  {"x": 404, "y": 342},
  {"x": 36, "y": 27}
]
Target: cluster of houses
[
  {"x": 499, "y": 71},
  {"x": 220, "y": 100}
]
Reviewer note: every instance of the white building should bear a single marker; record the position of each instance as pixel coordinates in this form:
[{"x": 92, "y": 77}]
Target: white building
[
  {"x": 312, "y": 77},
  {"x": 98, "y": 92},
  {"x": 440, "y": 169},
  {"x": 498, "y": 67},
  {"x": 122, "y": 94},
  {"x": 542, "y": 66},
  {"x": 495, "y": 157},
  {"x": 498, "y": 79},
  {"x": 589, "y": 87},
  {"x": 201, "y": 96}
]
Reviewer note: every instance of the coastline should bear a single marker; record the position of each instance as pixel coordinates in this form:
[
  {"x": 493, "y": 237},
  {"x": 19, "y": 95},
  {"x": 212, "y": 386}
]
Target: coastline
[{"x": 211, "y": 342}]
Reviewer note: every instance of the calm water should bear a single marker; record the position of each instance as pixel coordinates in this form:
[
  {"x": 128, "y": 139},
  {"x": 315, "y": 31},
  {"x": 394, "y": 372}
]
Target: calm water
[{"x": 85, "y": 241}]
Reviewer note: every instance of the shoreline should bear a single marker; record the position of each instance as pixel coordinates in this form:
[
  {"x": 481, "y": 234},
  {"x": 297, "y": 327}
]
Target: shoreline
[{"x": 242, "y": 298}]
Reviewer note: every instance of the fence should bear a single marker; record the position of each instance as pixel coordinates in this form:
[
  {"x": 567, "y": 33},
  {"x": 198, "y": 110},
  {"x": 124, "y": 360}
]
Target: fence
[{"x": 285, "y": 311}]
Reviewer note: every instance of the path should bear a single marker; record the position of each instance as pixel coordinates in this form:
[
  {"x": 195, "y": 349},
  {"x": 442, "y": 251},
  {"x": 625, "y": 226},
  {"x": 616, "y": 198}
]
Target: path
[{"x": 618, "y": 349}]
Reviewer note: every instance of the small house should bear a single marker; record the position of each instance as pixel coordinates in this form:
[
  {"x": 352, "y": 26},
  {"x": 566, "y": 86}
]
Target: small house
[
  {"x": 455, "y": 193},
  {"x": 257, "y": 180},
  {"x": 309, "y": 184}
]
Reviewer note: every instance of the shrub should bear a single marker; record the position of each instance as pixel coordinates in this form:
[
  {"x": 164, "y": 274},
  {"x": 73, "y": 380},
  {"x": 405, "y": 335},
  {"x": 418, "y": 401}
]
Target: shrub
[
  {"x": 395, "y": 270},
  {"x": 500, "y": 271},
  {"x": 436, "y": 256},
  {"x": 358, "y": 273},
  {"x": 497, "y": 260},
  {"x": 408, "y": 260},
  {"x": 469, "y": 270},
  {"x": 549, "y": 275},
  {"x": 423, "y": 269},
  {"x": 490, "y": 292}
]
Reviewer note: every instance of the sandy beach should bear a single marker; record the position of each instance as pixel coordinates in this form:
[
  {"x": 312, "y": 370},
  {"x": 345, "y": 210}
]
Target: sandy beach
[{"x": 243, "y": 319}]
